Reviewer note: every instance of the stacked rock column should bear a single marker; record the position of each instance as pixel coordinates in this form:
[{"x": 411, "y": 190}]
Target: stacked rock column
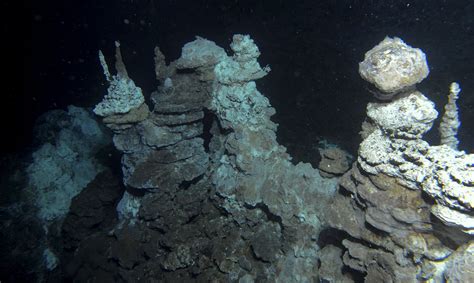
[{"x": 402, "y": 201}]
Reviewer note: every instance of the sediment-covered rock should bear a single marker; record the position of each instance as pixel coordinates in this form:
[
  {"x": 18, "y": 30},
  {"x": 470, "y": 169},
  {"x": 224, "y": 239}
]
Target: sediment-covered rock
[
  {"x": 406, "y": 205},
  {"x": 212, "y": 195},
  {"x": 393, "y": 66}
]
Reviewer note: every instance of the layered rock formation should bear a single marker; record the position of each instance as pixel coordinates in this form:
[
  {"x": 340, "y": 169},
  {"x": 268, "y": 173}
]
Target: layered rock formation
[
  {"x": 406, "y": 205},
  {"x": 123, "y": 95},
  {"x": 212, "y": 196},
  {"x": 255, "y": 173},
  {"x": 334, "y": 162}
]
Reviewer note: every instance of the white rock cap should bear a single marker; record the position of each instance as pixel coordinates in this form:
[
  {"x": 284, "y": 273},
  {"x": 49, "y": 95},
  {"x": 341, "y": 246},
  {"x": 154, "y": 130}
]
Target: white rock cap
[
  {"x": 393, "y": 66},
  {"x": 200, "y": 53}
]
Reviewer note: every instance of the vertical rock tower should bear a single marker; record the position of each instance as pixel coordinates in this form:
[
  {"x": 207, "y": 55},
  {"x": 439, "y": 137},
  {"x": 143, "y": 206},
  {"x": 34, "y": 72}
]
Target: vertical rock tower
[
  {"x": 406, "y": 205},
  {"x": 211, "y": 196}
]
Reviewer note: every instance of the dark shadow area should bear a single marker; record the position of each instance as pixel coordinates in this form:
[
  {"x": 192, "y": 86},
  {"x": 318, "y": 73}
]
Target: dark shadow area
[{"x": 332, "y": 236}]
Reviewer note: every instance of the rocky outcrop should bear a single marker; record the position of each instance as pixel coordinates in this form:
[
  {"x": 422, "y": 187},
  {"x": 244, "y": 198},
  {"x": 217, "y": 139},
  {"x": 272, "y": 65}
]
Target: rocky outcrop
[
  {"x": 405, "y": 204},
  {"x": 122, "y": 95},
  {"x": 254, "y": 172},
  {"x": 65, "y": 162},
  {"x": 165, "y": 147},
  {"x": 449, "y": 125},
  {"x": 334, "y": 162},
  {"x": 41, "y": 184},
  {"x": 393, "y": 67},
  {"x": 211, "y": 194},
  {"x": 92, "y": 210}
]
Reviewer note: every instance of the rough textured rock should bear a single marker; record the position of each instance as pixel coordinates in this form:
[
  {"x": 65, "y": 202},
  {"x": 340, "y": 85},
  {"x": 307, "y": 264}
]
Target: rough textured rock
[
  {"x": 69, "y": 153},
  {"x": 461, "y": 267},
  {"x": 200, "y": 53},
  {"x": 255, "y": 172},
  {"x": 134, "y": 116},
  {"x": 334, "y": 162},
  {"x": 393, "y": 66},
  {"x": 449, "y": 125},
  {"x": 92, "y": 210},
  {"x": 163, "y": 147},
  {"x": 451, "y": 184},
  {"x": 408, "y": 117},
  {"x": 163, "y": 71},
  {"x": 184, "y": 161},
  {"x": 212, "y": 196},
  {"x": 66, "y": 162},
  {"x": 396, "y": 149},
  {"x": 332, "y": 265},
  {"x": 122, "y": 95},
  {"x": 218, "y": 199},
  {"x": 236, "y": 99},
  {"x": 406, "y": 205}
]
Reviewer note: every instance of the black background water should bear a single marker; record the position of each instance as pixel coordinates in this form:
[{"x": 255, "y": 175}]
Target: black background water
[{"x": 313, "y": 48}]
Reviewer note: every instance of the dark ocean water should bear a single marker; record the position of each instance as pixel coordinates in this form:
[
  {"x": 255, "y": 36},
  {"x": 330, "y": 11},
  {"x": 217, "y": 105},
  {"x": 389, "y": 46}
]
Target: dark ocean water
[{"x": 313, "y": 49}]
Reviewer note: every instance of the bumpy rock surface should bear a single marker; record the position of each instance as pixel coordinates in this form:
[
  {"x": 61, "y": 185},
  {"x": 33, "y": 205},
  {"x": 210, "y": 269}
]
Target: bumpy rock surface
[
  {"x": 393, "y": 66},
  {"x": 122, "y": 95},
  {"x": 200, "y": 53},
  {"x": 212, "y": 196},
  {"x": 42, "y": 184},
  {"x": 408, "y": 117},
  {"x": 449, "y": 125},
  {"x": 332, "y": 265},
  {"x": 406, "y": 205},
  {"x": 334, "y": 162},
  {"x": 65, "y": 163},
  {"x": 255, "y": 172},
  {"x": 92, "y": 210},
  {"x": 461, "y": 267}
]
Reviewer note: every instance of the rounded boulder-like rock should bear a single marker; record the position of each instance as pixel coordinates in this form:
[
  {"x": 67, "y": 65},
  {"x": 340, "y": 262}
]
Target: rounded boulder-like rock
[{"x": 393, "y": 66}]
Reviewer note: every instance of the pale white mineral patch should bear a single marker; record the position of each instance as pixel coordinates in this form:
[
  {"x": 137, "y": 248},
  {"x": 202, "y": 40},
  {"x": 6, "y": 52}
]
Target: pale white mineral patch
[
  {"x": 122, "y": 95},
  {"x": 199, "y": 53},
  {"x": 448, "y": 128},
  {"x": 51, "y": 261},
  {"x": 454, "y": 218},
  {"x": 235, "y": 96},
  {"x": 243, "y": 65},
  {"x": 64, "y": 166},
  {"x": 128, "y": 207},
  {"x": 408, "y": 117}
]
